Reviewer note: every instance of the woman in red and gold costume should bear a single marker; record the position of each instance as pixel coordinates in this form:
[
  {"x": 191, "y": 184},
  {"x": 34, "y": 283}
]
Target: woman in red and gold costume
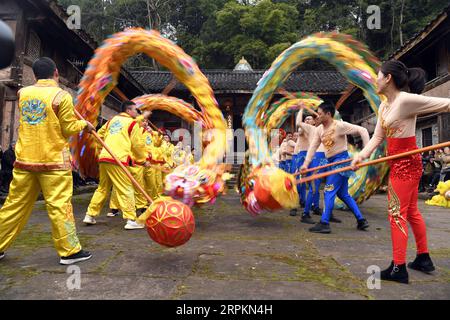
[{"x": 397, "y": 123}]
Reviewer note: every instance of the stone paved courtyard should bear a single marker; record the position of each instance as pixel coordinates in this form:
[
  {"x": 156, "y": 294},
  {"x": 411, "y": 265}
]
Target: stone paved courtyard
[{"x": 230, "y": 256}]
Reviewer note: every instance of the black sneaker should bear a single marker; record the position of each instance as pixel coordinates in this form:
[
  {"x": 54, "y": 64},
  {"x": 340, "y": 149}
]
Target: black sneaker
[
  {"x": 362, "y": 224},
  {"x": 293, "y": 212},
  {"x": 2, "y": 255},
  {"x": 334, "y": 219},
  {"x": 77, "y": 257},
  {"x": 317, "y": 211},
  {"x": 306, "y": 218},
  {"x": 397, "y": 273},
  {"x": 422, "y": 263},
  {"x": 141, "y": 211},
  {"x": 321, "y": 227}
]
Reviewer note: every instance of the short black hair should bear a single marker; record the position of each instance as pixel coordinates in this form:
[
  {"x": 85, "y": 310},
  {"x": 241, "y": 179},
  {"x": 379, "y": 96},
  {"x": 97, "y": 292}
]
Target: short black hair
[
  {"x": 307, "y": 114},
  {"x": 126, "y": 105},
  {"x": 328, "y": 107},
  {"x": 44, "y": 68}
]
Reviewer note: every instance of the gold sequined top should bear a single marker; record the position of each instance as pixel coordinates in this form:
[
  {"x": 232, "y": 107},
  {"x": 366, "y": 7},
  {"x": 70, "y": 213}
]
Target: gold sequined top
[{"x": 334, "y": 138}]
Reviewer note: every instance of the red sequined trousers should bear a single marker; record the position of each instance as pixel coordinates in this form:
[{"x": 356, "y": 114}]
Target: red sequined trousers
[{"x": 404, "y": 178}]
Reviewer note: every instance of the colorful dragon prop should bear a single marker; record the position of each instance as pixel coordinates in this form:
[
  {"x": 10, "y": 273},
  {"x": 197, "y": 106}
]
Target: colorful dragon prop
[
  {"x": 189, "y": 183},
  {"x": 278, "y": 113},
  {"x": 349, "y": 57},
  {"x": 101, "y": 76},
  {"x": 280, "y": 110},
  {"x": 175, "y": 106}
]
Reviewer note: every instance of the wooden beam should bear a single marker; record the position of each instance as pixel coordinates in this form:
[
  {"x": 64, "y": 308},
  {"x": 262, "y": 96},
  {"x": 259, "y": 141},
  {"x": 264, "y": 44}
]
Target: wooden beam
[
  {"x": 173, "y": 82},
  {"x": 2, "y": 106},
  {"x": 36, "y": 19},
  {"x": 345, "y": 96},
  {"x": 20, "y": 43}
]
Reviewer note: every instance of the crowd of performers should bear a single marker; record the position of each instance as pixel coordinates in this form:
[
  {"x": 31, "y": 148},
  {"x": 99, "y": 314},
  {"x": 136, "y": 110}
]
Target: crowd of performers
[
  {"x": 44, "y": 163},
  {"x": 149, "y": 157},
  {"x": 321, "y": 139}
]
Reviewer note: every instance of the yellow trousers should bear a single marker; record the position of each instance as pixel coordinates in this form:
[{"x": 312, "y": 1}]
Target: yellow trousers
[
  {"x": 150, "y": 182},
  {"x": 140, "y": 201},
  {"x": 56, "y": 186},
  {"x": 159, "y": 181},
  {"x": 111, "y": 175}
]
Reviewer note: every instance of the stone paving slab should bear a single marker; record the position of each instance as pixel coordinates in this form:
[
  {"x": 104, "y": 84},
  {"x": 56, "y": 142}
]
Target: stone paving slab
[{"x": 230, "y": 256}]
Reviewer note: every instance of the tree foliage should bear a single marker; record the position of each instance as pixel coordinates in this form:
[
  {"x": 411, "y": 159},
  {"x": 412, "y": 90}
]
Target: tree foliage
[{"x": 217, "y": 33}]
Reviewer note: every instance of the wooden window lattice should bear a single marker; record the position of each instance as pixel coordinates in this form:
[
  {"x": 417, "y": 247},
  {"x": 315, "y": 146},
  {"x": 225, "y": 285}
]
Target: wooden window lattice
[{"x": 33, "y": 46}]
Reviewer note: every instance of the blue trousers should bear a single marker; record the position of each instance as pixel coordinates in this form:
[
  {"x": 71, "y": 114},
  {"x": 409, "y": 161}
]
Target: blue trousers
[
  {"x": 282, "y": 165},
  {"x": 313, "y": 197},
  {"x": 337, "y": 185},
  {"x": 297, "y": 161},
  {"x": 288, "y": 165}
]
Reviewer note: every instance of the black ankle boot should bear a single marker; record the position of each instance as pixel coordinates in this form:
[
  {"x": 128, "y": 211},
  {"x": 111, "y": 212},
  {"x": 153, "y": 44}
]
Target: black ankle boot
[
  {"x": 422, "y": 263},
  {"x": 317, "y": 211},
  {"x": 397, "y": 273}
]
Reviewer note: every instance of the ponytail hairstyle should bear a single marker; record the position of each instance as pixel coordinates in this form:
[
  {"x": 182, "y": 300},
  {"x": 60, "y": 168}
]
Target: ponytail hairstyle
[{"x": 405, "y": 79}]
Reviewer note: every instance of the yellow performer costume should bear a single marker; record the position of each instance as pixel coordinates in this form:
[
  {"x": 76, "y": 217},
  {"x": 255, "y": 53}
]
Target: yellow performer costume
[
  {"x": 43, "y": 164},
  {"x": 150, "y": 182},
  {"x": 168, "y": 151},
  {"x": 123, "y": 135},
  {"x": 157, "y": 160},
  {"x": 137, "y": 171}
]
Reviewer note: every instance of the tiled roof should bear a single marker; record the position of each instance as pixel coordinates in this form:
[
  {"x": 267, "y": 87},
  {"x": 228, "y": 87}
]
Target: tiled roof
[{"x": 228, "y": 81}]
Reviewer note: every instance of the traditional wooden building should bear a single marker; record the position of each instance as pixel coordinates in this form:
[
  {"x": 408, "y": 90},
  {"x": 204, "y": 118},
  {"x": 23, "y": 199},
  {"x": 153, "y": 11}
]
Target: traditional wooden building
[
  {"x": 429, "y": 49},
  {"x": 234, "y": 88},
  {"x": 40, "y": 30}
]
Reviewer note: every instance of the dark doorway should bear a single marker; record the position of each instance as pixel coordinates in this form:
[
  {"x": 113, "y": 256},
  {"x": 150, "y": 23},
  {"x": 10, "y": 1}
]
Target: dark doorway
[{"x": 427, "y": 137}]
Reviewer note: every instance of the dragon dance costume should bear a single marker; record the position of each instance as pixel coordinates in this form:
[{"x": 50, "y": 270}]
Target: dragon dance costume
[
  {"x": 297, "y": 161},
  {"x": 335, "y": 142},
  {"x": 305, "y": 132},
  {"x": 123, "y": 135},
  {"x": 43, "y": 163},
  {"x": 283, "y": 163},
  {"x": 397, "y": 123},
  {"x": 137, "y": 171},
  {"x": 313, "y": 197}
]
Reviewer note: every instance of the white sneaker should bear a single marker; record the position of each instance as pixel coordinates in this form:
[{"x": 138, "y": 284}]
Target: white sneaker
[
  {"x": 131, "y": 225},
  {"x": 89, "y": 219},
  {"x": 112, "y": 214},
  {"x": 2, "y": 255}
]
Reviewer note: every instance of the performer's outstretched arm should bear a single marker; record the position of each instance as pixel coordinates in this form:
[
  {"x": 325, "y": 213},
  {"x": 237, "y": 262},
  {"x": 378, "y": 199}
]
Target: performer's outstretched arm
[
  {"x": 67, "y": 119},
  {"x": 416, "y": 104},
  {"x": 348, "y": 128}
]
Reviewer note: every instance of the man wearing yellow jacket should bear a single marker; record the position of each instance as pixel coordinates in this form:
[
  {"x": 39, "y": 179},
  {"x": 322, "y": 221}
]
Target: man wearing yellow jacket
[
  {"x": 121, "y": 134},
  {"x": 43, "y": 163},
  {"x": 137, "y": 171},
  {"x": 150, "y": 178},
  {"x": 168, "y": 151},
  {"x": 153, "y": 176}
]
